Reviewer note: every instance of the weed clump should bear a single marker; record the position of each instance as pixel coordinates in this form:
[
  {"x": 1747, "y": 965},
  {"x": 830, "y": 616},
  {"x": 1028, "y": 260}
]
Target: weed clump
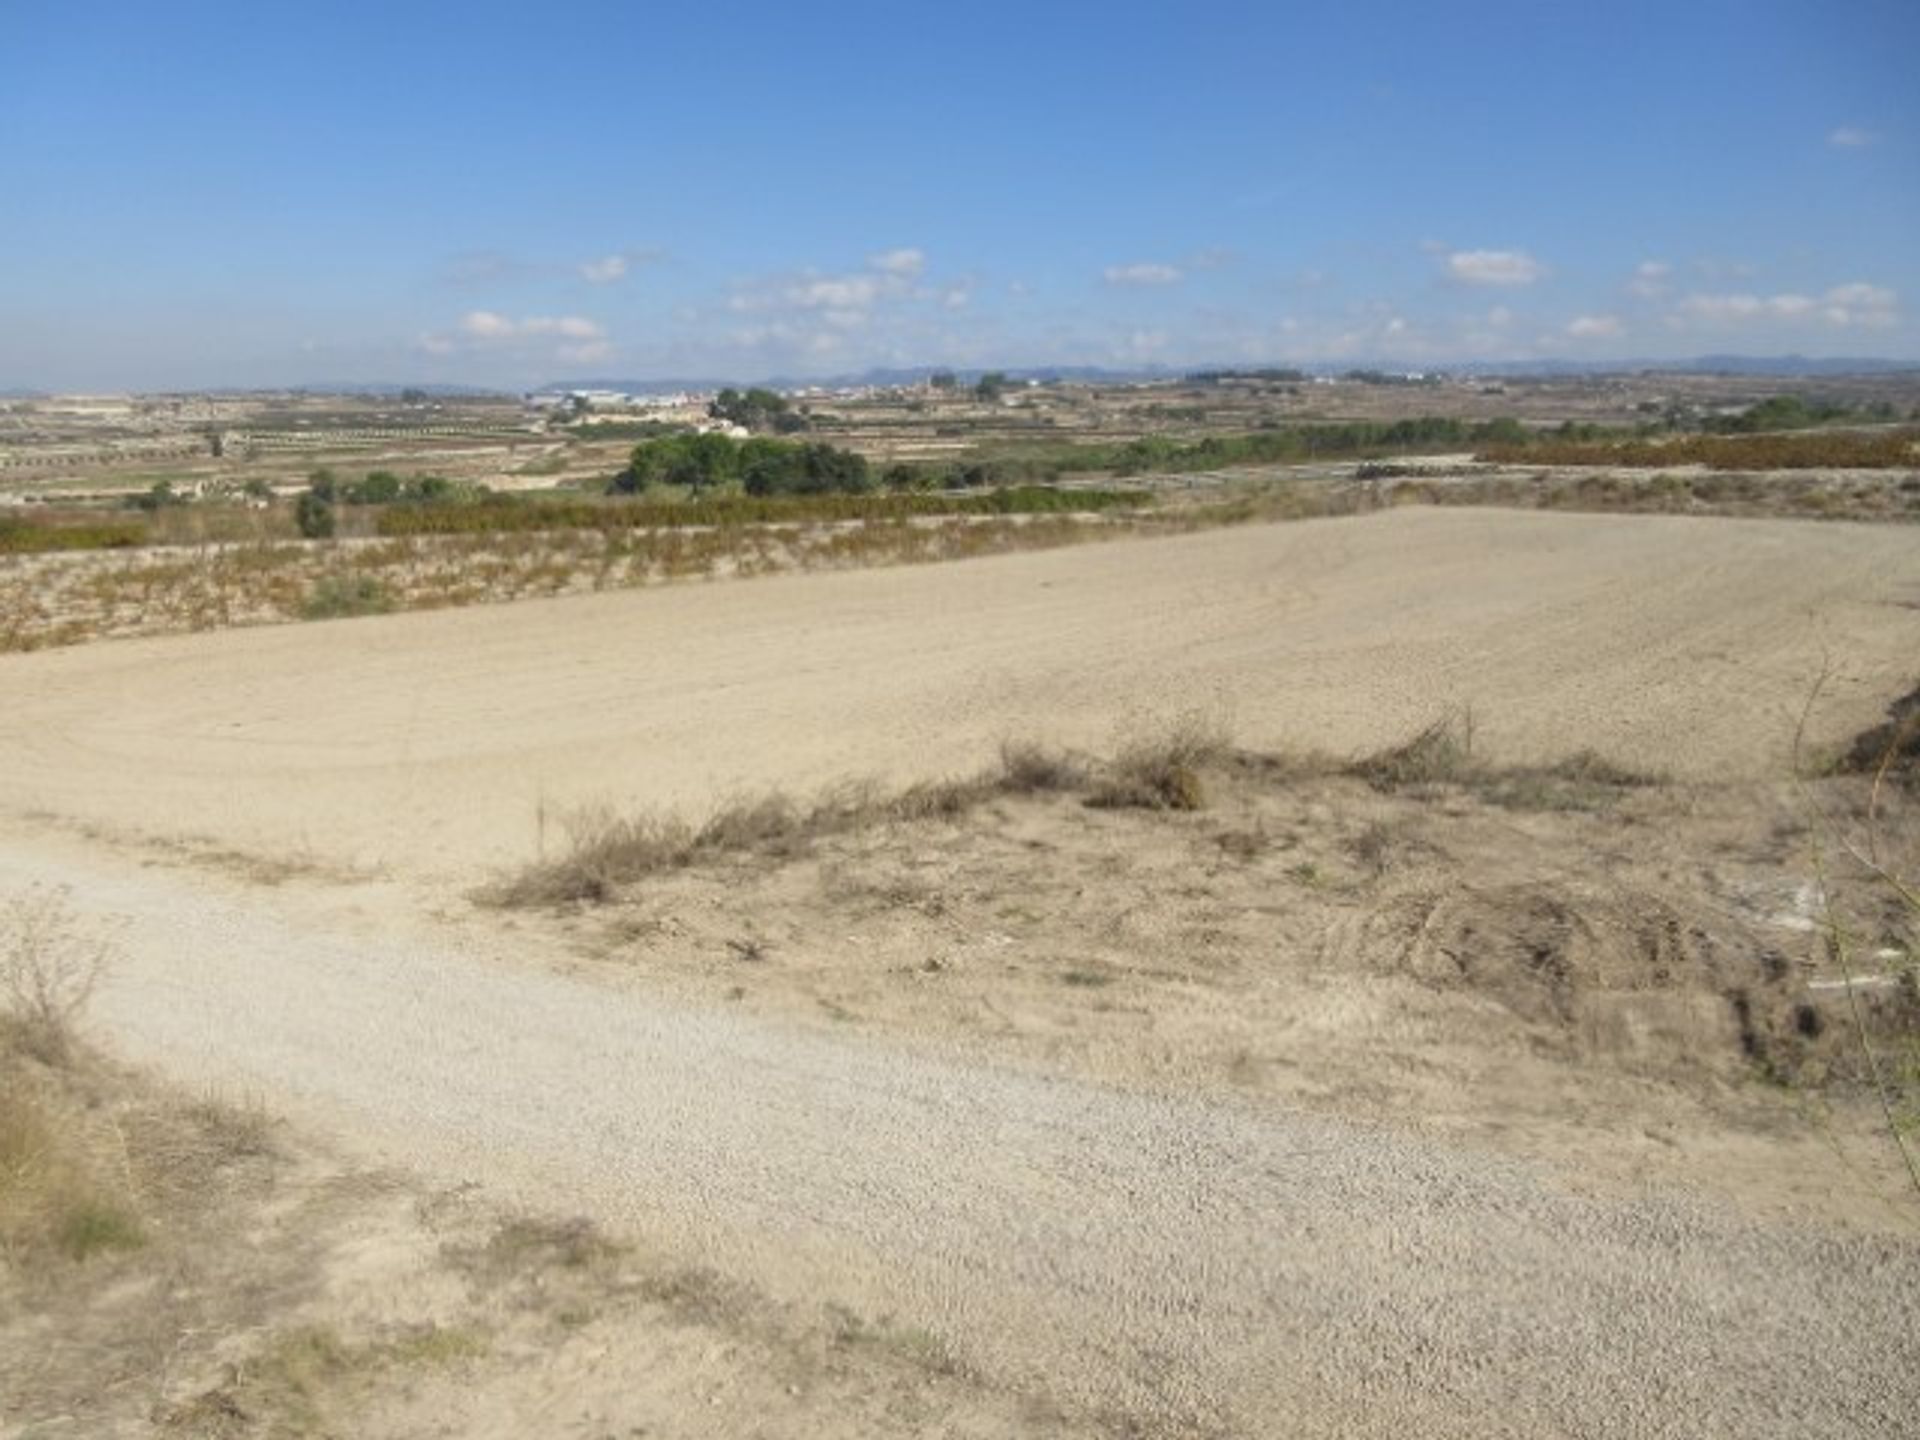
[
  {"x": 1441, "y": 754},
  {"x": 1163, "y": 771},
  {"x": 1891, "y": 749},
  {"x": 1029, "y": 768},
  {"x": 338, "y": 597},
  {"x": 48, "y": 971},
  {"x": 609, "y": 851}
]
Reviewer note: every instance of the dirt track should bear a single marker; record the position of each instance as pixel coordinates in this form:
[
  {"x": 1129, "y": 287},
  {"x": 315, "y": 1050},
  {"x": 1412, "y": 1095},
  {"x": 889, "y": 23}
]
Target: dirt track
[
  {"x": 1192, "y": 1264},
  {"x": 435, "y": 742}
]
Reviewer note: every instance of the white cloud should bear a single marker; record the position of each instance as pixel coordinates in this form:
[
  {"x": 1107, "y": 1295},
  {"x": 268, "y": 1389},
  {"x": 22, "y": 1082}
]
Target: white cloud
[
  {"x": 485, "y": 325},
  {"x": 1872, "y": 306},
  {"x": 587, "y": 354},
  {"x": 906, "y": 263},
  {"x": 571, "y": 327},
  {"x": 1855, "y": 304},
  {"x": 487, "y": 330},
  {"x": 1722, "y": 308},
  {"x": 844, "y": 293},
  {"x": 1850, "y": 137},
  {"x": 611, "y": 269},
  {"x": 606, "y": 270},
  {"x": 890, "y": 275},
  {"x": 1650, "y": 279},
  {"x": 883, "y": 310},
  {"x": 1593, "y": 327},
  {"x": 1863, "y": 296},
  {"x": 1494, "y": 267},
  {"x": 1143, "y": 273}
]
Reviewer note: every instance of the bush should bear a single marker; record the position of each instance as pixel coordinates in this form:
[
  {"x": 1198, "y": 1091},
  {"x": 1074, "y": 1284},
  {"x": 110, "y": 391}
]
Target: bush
[
  {"x": 1440, "y": 754},
  {"x": 1027, "y": 768},
  {"x": 313, "y": 514},
  {"x": 337, "y": 597},
  {"x": 1839, "y": 450},
  {"x": 1163, "y": 771},
  {"x": 34, "y": 537}
]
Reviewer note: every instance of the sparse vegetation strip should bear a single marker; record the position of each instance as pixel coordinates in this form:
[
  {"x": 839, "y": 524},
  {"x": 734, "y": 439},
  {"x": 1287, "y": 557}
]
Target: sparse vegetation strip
[
  {"x": 1166, "y": 767},
  {"x": 1824, "y": 450}
]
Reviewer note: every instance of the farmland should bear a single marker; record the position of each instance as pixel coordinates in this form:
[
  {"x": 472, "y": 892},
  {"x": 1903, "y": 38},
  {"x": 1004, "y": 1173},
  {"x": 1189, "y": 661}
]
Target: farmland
[{"x": 1176, "y": 876}]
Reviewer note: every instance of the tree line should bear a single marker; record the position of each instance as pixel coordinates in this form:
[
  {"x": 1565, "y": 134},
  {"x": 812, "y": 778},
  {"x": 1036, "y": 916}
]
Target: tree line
[{"x": 759, "y": 466}]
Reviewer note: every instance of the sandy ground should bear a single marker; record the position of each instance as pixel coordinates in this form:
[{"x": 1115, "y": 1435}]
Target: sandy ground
[
  {"x": 1193, "y": 1263},
  {"x": 437, "y": 744},
  {"x": 1113, "y": 1241}
]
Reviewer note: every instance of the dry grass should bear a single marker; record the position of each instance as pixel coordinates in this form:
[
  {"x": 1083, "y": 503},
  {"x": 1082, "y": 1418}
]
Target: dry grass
[
  {"x": 305, "y": 1378},
  {"x": 1442, "y": 754},
  {"x": 1867, "y": 875},
  {"x": 606, "y": 852},
  {"x": 523, "y": 1244},
  {"x": 1029, "y": 768},
  {"x": 48, "y": 971},
  {"x": 92, "y": 1161},
  {"x": 1164, "y": 768},
  {"x": 254, "y": 579},
  {"x": 1890, "y": 751},
  {"x": 58, "y": 1201}
]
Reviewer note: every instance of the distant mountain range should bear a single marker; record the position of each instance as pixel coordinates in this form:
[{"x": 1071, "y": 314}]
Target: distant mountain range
[
  {"x": 1779, "y": 366},
  {"x": 1785, "y": 366},
  {"x": 1782, "y": 365},
  {"x": 884, "y": 375}
]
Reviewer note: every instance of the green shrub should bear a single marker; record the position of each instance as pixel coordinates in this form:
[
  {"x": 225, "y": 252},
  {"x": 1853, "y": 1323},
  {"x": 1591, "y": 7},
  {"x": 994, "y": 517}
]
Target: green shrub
[
  {"x": 313, "y": 514},
  {"x": 336, "y": 597}
]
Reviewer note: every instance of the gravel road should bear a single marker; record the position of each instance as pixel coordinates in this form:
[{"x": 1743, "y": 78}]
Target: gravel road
[{"x": 1236, "y": 1270}]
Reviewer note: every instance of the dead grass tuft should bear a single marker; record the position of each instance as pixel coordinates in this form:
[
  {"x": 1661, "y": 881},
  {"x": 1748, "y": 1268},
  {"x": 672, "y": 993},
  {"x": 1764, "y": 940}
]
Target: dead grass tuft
[
  {"x": 300, "y": 1380},
  {"x": 1891, "y": 750},
  {"x": 233, "y": 1130},
  {"x": 1029, "y": 768},
  {"x": 57, "y": 1199},
  {"x": 1163, "y": 770},
  {"x": 529, "y": 1243},
  {"x": 48, "y": 971},
  {"x": 1440, "y": 754},
  {"x": 1583, "y": 781},
  {"x": 607, "y": 852}
]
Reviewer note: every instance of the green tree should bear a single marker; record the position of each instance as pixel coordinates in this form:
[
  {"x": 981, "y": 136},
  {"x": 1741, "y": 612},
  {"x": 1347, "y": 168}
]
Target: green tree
[
  {"x": 381, "y": 487},
  {"x": 757, "y": 410},
  {"x": 313, "y": 514}
]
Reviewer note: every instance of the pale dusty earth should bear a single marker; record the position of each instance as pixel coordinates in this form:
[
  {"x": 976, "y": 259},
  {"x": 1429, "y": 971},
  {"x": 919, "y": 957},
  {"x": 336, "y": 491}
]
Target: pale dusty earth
[
  {"x": 432, "y": 744},
  {"x": 1238, "y": 1123}
]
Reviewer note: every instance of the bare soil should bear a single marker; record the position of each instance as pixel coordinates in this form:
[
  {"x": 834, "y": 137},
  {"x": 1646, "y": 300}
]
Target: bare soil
[{"x": 1492, "y": 1100}]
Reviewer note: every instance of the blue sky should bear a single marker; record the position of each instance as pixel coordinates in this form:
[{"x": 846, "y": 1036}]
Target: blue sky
[{"x": 221, "y": 194}]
